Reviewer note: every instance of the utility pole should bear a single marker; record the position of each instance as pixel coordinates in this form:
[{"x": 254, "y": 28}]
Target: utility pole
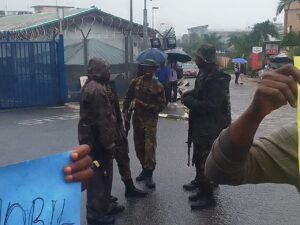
[
  {"x": 130, "y": 35},
  {"x": 145, "y": 28}
]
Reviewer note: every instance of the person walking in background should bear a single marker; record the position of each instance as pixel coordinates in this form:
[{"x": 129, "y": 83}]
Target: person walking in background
[
  {"x": 173, "y": 82},
  {"x": 210, "y": 113},
  {"x": 163, "y": 74},
  {"x": 148, "y": 97},
  {"x": 237, "y": 73}
]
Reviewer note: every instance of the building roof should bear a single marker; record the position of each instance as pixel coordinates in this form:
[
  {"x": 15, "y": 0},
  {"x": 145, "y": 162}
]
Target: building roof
[
  {"x": 74, "y": 53},
  {"x": 20, "y": 23},
  {"x": 198, "y": 27}
]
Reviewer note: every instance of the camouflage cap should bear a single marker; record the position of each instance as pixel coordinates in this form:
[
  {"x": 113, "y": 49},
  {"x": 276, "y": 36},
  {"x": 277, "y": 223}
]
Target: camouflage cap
[
  {"x": 207, "y": 53},
  {"x": 150, "y": 63}
]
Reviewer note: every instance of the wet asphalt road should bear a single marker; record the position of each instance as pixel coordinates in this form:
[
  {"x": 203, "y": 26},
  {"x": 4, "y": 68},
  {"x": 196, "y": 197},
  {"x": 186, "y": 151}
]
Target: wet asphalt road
[{"x": 30, "y": 133}]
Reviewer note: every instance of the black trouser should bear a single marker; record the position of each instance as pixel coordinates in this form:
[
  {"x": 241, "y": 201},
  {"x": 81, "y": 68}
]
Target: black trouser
[
  {"x": 201, "y": 152},
  {"x": 99, "y": 190},
  {"x": 167, "y": 92},
  {"x": 237, "y": 75},
  {"x": 173, "y": 87}
]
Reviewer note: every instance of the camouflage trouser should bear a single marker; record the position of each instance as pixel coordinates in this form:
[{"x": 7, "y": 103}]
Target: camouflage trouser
[
  {"x": 145, "y": 142},
  {"x": 201, "y": 152},
  {"x": 99, "y": 190},
  {"x": 123, "y": 160}
]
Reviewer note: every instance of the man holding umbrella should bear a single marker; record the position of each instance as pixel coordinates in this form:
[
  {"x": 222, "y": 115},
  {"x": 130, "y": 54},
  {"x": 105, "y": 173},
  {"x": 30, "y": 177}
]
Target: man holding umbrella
[{"x": 147, "y": 96}]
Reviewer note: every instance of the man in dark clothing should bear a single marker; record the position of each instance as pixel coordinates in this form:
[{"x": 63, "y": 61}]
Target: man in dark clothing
[
  {"x": 209, "y": 106},
  {"x": 98, "y": 127}
]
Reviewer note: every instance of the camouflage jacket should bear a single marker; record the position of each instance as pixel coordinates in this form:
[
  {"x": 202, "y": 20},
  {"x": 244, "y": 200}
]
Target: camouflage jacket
[
  {"x": 98, "y": 125},
  {"x": 150, "y": 93}
]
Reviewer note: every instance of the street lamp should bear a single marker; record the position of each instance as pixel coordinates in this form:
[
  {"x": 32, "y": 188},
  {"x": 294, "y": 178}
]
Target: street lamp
[{"x": 153, "y": 8}]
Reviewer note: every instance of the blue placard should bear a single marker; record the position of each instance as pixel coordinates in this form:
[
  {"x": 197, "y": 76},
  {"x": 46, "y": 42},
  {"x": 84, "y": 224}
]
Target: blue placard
[{"x": 34, "y": 192}]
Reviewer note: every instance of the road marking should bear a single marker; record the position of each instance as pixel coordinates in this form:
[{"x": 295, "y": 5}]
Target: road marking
[{"x": 50, "y": 119}]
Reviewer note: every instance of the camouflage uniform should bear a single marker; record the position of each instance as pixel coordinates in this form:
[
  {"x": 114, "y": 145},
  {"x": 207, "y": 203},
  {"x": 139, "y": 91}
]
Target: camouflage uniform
[
  {"x": 122, "y": 149},
  {"x": 145, "y": 118},
  {"x": 98, "y": 127},
  {"x": 209, "y": 106}
]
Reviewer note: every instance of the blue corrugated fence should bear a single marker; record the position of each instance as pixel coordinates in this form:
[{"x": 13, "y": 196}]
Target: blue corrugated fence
[{"x": 30, "y": 74}]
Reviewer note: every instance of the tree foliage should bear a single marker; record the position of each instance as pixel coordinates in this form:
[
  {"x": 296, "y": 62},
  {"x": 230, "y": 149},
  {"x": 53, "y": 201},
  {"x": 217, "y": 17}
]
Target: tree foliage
[{"x": 284, "y": 4}]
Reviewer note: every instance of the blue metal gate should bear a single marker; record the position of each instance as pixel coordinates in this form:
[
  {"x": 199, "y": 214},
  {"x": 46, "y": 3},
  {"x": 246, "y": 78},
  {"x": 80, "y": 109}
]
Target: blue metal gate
[{"x": 30, "y": 74}]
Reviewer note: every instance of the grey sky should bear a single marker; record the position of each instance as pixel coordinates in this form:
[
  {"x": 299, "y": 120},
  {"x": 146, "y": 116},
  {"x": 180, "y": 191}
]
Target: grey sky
[{"x": 218, "y": 14}]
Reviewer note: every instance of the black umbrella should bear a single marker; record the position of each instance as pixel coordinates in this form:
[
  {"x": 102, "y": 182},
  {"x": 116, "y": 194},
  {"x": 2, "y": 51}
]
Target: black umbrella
[{"x": 178, "y": 55}]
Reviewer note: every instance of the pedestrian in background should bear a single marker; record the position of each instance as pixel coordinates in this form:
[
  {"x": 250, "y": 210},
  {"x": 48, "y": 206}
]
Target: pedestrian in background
[
  {"x": 237, "y": 73},
  {"x": 163, "y": 74},
  {"x": 209, "y": 105},
  {"x": 173, "y": 82},
  {"x": 148, "y": 97}
]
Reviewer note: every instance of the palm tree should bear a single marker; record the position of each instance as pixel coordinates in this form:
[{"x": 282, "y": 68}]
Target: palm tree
[
  {"x": 262, "y": 31},
  {"x": 214, "y": 40},
  {"x": 284, "y": 4}
]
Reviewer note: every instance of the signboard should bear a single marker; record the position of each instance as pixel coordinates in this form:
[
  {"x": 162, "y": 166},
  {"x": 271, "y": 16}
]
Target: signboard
[
  {"x": 34, "y": 192},
  {"x": 272, "y": 49},
  {"x": 257, "y": 50}
]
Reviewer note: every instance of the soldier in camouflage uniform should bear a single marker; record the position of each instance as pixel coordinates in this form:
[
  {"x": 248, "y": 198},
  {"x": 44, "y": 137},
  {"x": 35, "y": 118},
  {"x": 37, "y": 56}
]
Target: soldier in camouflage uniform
[
  {"x": 209, "y": 106},
  {"x": 98, "y": 127},
  {"x": 147, "y": 96},
  {"x": 122, "y": 150}
]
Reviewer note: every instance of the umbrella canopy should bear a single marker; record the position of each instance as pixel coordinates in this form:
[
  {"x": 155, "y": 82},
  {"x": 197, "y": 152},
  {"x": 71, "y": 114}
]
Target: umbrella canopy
[
  {"x": 178, "y": 55},
  {"x": 239, "y": 61},
  {"x": 152, "y": 53}
]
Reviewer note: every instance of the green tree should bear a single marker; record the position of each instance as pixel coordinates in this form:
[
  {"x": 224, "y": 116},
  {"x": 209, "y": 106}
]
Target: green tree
[
  {"x": 284, "y": 4},
  {"x": 291, "y": 39},
  {"x": 240, "y": 45},
  {"x": 262, "y": 31},
  {"x": 214, "y": 40}
]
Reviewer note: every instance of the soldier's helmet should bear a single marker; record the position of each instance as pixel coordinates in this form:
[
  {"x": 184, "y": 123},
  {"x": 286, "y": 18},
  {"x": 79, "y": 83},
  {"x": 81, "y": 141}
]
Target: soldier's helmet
[
  {"x": 207, "y": 53},
  {"x": 149, "y": 63}
]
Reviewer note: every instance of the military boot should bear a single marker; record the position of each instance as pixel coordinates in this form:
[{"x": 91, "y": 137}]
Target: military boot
[
  {"x": 141, "y": 176},
  {"x": 148, "y": 179},
  {"x": 193, "y": 185},
  {"x": 132, "y": 191},
  {"x": 115, "y": 208},
  {"x": 204, "y": 203},
  {"x": 205, "y": 198},
  {"x": 197, "y": 196}
]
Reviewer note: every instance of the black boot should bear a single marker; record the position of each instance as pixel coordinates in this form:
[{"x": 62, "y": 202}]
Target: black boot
[
  {"x": 205, "y": 197},
  {"x": 196, "y": 197},
  {"x": 148, "y": 179},
  {"x": 193, "y": 185},
  {"x": 132, "y": 191},
  {"x": 115, "y": 208},
  {"x": 204, "y": 203},
  {"x": 141, "y": 176},
  {"x": 103, "y": 220}
]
